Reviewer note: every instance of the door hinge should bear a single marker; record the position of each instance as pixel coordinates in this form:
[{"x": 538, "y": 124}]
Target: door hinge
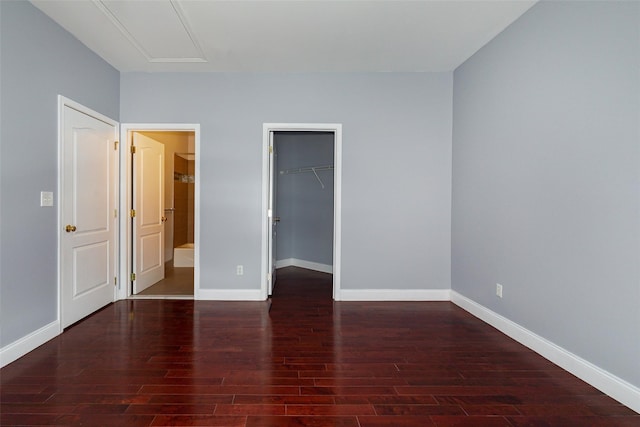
[
  {"x": 133, "y": 213},
  {"x": 269, "y": 277},
  {"x": 115, "y": 281},
  {"x": 133, "y": 277},
  {"x": 115, "y": 213},
  {"x": 115, "y": 145},
  {"x": 133, "y": 149},
  {"x": 270, "y": 149}
]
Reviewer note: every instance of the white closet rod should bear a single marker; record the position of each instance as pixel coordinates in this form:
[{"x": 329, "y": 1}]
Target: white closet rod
[
  {"x": 313, "y": 169},
  {"x": 307, "y": 169}
]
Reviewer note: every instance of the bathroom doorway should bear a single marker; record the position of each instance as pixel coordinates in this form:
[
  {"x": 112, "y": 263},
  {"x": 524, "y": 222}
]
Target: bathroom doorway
[{"x": 174, "y": 245}]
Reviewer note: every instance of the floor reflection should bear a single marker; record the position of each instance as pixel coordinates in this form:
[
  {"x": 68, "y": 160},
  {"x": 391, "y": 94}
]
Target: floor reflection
[{"x": 299, "y": 359}]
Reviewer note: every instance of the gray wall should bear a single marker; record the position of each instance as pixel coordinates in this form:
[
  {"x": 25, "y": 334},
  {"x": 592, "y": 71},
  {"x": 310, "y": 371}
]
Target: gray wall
[
  {"x": 546, "y": 172},
  {"x": 39, "y": 60},
  {"x": 396, "y": 183},
  {"x": 305, "y": 231}
]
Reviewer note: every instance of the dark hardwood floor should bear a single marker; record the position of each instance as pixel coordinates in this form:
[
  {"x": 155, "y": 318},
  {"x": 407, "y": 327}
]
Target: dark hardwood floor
[{"x": 302, "y": 360}]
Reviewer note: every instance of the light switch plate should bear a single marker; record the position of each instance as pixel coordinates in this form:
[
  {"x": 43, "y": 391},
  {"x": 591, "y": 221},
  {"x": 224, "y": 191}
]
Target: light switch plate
[{"x": 46, "y": 198}]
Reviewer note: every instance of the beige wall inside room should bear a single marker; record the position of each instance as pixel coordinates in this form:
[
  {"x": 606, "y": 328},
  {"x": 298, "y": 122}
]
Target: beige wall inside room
[{"x": 183, "y": 197}]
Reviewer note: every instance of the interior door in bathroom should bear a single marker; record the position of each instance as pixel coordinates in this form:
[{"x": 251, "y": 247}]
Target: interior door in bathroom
[{"x": 148, "y": 204}]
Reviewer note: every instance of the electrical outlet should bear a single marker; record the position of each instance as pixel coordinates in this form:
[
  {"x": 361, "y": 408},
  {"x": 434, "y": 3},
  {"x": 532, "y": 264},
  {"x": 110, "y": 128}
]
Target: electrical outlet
[
  {"x": 239, "y": 270},
  {"x": 499, "y": 290}
]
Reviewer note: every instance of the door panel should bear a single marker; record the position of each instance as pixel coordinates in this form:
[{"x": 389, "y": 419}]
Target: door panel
[
  {"x": 148, "y": 199},
  {"x": 148, "y": 252},
  {"x": 88, "y": 199},
  {"x": 91, "y": 211},
  {"x": 91, "y": 266}
]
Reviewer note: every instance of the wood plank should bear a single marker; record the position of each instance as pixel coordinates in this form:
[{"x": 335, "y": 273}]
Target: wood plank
[{"x": 307, "y": 361}]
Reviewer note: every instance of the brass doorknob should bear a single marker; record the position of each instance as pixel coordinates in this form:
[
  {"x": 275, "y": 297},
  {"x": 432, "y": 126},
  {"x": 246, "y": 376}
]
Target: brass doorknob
[{"x": 70, "y": 228}]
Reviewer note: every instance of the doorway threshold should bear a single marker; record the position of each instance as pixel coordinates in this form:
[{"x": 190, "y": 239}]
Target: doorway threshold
[{"x": 184, "y": 297}]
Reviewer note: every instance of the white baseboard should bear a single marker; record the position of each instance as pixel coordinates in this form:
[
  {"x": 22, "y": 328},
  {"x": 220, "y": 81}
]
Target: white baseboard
[
  {"x": 309, "y": 265},
  {"x": 393, "y": 295},
  {"x": 617, "y": 388},
  {"x": 229, "y": 295},
  {"x": 24, "y": 345}
]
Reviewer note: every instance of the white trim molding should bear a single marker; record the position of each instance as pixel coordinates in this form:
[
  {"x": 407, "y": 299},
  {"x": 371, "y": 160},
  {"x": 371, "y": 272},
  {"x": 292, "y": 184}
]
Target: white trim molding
[
  {"x": 394, "y": 295},
  {"x": 617, "y": 388},
  {"x": 126, "y": 180},
  {"x": 309, "y": 265},
  {"x": 228, "y": 295},
  {"x": 24, "y": 345},
  {"x": 336, "y": 128}
]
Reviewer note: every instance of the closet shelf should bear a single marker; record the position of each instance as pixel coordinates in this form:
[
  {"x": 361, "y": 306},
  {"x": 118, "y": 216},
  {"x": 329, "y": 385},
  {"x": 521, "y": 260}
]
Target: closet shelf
[
  {"x": 314, "y": 169},
  {"x": 307, "y": 169}
]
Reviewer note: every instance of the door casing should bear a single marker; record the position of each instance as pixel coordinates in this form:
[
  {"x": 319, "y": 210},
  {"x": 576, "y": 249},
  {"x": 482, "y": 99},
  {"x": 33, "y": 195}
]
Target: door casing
[
  {"x": 267, "y": 184},
  {"x": 126, "y": 180}
]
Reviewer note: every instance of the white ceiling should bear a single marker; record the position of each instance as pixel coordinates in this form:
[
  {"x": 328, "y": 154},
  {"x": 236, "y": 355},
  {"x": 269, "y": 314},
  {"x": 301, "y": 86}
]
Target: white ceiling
[{"x": 284, "y": 36}]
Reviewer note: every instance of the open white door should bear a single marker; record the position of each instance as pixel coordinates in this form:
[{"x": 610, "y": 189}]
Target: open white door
[
  {"x": 148, "y": 212},
  {"x": 88, "y": 202},
  {"x": 272, "y": 218}
]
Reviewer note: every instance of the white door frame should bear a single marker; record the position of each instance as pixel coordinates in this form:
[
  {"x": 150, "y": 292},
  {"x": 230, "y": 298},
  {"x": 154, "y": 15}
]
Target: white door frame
[
  {"x": 267, "y": 177},
  {"x": 126, "y": 180},
  {"x": 62, "y": 103}
]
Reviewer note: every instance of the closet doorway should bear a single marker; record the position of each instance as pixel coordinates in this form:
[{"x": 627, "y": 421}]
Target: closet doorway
[{"x": 301, "y": 199}]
